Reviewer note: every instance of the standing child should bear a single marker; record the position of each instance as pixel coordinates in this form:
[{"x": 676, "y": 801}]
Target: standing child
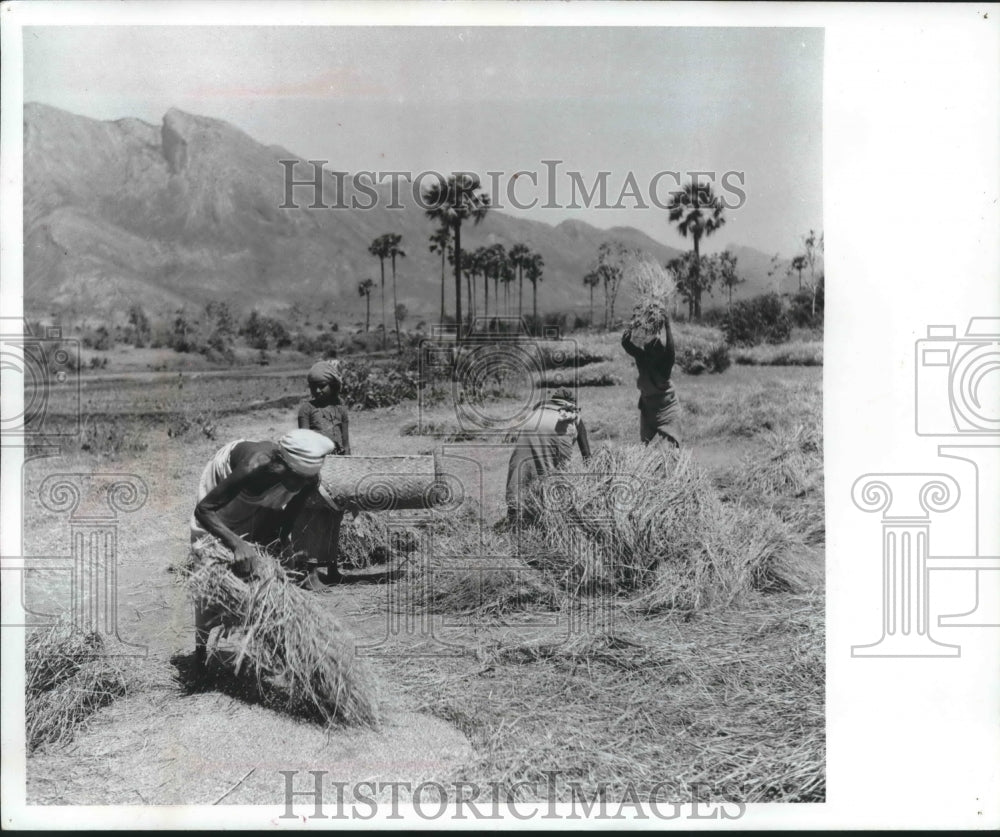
[
  {"x": 317, "y": 528},
  {"x": 323, "y": 412}
]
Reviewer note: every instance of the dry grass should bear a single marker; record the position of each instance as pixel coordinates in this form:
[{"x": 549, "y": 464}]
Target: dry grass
[
  {"x": 785, "y": 477},
  {"x": 745, "y": 413},
  {"x": 464, "y": 581},
  {"x": 68, "y": 677},
  {"x": 809, "y": 353},
  {"x": 289, "y": 639},
  {"x": 369, "y": 539},
  {"x": 592, "y": 375},
  {"x": 726, "y": 707},
  {"x": 623, "y": 525}
]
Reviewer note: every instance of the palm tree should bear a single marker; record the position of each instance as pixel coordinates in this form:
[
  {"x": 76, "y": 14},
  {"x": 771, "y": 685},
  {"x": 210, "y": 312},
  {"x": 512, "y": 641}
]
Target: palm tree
[
  {"x": 726, "y": 270},
  {"x": 494, "y": 259},
  {"x": 799, "y": 264},
  {"x": 592, "y": 280},
  {"x": 450, "y": 203},
  {"x": 477, "y": 264},
  {"x": 500, "y": 267},
  {"x": 392, "y": 245},
  {"x": 698, "y": 212},
  {"x": 519, "y": 254},
  {"x": 441, "y": 243},
  {"x": 489, "y": 258},
  {"x": 533, "y": 270},
  {"x": 507, "y": 277},
  {"x": 379, "y": 248},
  {"x": 365, "y": 288}
]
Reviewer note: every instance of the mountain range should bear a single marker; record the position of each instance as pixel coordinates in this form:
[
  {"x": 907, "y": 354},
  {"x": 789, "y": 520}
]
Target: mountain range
[{"x": 178, "y": 215}]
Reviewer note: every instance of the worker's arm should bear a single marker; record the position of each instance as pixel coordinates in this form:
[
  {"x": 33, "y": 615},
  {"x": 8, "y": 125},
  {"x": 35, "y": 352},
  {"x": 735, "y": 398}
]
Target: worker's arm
[
  {"x": 294, "y": 507},
  {"x": 582, "y": 440},
  {"x": 629, "y": 346},
  {"x": 304, "y": 411},
  {"x": 668, "y": 346},
  {"x": 208, "y": 508},
  {"x": 343, "y": 432}
]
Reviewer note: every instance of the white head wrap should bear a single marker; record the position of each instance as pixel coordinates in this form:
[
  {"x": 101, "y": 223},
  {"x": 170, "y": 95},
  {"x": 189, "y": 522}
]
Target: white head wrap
[{"x": 304, "y": 450}]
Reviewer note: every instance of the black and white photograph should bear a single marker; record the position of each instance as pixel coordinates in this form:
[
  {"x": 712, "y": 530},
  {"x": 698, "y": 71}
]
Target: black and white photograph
[{"x": 441, "y": 420}]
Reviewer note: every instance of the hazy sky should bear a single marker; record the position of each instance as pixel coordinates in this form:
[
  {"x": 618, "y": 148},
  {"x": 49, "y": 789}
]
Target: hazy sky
[{"x": 640, "y": 100}]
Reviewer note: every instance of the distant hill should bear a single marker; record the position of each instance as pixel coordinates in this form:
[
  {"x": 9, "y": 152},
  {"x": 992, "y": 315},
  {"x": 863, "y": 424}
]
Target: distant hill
[{"x": 186, "y": 212}]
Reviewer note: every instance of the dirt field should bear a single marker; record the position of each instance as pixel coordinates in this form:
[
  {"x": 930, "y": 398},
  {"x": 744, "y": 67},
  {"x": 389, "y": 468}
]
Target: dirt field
[{"x": 723, "y": 704}]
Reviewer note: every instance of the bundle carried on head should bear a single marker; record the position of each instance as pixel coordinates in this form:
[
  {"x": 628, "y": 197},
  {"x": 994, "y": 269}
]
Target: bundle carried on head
[
  {"x": 653, "y": 290},
  {"x": 289, "y": 637}
]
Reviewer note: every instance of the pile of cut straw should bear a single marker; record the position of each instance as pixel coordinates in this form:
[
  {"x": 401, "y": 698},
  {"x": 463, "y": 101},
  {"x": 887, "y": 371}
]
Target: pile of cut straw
[
  {"x": 67, "y": 679},
  {"x": 289, "y": 637},
  {"x": 634, "y": 522}
]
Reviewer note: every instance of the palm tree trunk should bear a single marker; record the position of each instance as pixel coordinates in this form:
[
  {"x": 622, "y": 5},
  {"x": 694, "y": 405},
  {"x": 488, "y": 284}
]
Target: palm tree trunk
[
  {"x": 520, "y": 291},
  {"x": 534, "y": 306},
  {"x": 458, "y": 281},
  {"x": 697, "y": 282},
  {"x": 473, "y": 299},
  {"x": 385, "y": 331},
  {"x": 470, "y": 288},
  {"x": 368, "y": 310},
  {"x": 486, "y": 299},
  {"x": 441, "y": 321},
  {"x": 395, "y": 306},
  {"x": 591, "y": 315}
]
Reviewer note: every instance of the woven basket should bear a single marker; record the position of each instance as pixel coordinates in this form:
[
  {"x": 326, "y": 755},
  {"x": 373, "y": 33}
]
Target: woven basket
[{"x": 381, "y": 483}]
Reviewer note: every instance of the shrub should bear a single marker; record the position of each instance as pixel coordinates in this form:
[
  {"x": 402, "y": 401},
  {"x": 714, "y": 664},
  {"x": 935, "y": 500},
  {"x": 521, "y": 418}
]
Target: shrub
[
  {"x": 761, "y": 319},
  {"x": 366, "y": 386},
  {"x": 802, "y": 308},
  {"x": 324, "y": 345},
  {"x": 110, "y": 436},
  {"x": 193, "y": 424},
  {"x": 696, "y": 358},
  {"x": 99, "y": 339}
]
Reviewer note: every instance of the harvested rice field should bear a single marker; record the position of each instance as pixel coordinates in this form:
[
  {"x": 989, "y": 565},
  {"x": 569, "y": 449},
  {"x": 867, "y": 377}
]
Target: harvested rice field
[{"x": 659, "y": 629}]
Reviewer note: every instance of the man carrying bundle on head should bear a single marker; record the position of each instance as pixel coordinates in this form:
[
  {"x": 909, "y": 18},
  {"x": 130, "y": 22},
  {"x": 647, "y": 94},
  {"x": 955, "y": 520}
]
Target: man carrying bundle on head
[
  {"x": 649, "y": 341},
  {"x": 249, "y": 495},
  {"x": 545, "y": 445}
]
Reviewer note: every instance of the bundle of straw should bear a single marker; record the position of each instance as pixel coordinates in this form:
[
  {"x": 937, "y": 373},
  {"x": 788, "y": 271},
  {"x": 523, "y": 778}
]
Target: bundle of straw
[
  {"x": 67, "y": 679},
  {"x": 289, "y": 638},
  {"x": 627, "y": 524},
  {"x": 369, "y": 539},
  {"x": 653, "y": 289}
]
